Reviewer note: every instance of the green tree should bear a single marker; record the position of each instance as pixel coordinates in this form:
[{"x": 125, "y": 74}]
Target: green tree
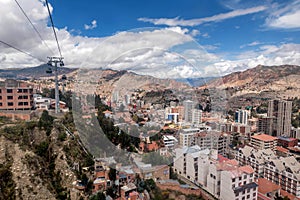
[
  {"x": 42, "y": 148},
  {"x": 98, "y": 196},
  {"x": 46, "y": 122},
  {"x": 112, "y": 174}
]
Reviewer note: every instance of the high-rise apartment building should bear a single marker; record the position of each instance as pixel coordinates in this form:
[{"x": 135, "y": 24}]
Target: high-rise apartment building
[
  {"x": 281, "y": 112},
  {"x": 264, "y": 125},
  {"x": 241, "y": 116},
  {"x": 196, "y": 116},
  {"x": 188, "y": 107}
]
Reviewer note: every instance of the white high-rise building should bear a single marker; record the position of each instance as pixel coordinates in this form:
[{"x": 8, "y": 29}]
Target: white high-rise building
[
  {"x": 241, "y": 116},
  {"x": 188, "y": 107},
  {"x": 196, "y": 116}
]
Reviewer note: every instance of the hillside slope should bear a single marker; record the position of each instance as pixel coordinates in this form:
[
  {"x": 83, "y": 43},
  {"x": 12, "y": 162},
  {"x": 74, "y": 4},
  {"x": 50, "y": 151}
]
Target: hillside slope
[{"x": 283, "y": 80}]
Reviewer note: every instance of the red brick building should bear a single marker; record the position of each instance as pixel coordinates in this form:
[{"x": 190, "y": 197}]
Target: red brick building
[
  {"x": 287, "y": 141},
  {"x": 15, "y": 95}
]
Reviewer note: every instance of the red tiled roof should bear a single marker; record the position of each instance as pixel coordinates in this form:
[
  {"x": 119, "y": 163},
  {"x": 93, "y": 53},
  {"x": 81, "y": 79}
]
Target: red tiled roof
[
  {"x": 222, "y": 158},
  {"x": 262, "y": 197},
  {"x": 247, "y": 169},
  {"x": 265, "y": 186},
  {"x": 284, "y": 150},
  {"x": 289, "y": 195},
  {"x": 227, "y": 165},
  {"x": 264, "y": 137}
]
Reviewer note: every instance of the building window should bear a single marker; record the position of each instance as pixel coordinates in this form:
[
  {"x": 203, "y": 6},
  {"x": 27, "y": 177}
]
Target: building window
[
  {"x": 10, "y": 97},
  {"x": 0, "y": 104},
  {"x": 0, "y": 97},
  {"x": 248, "y": 196},
  {"x": 20, "y": 104},
  {"x": 9, "y": 91},
  {"x": 25, "y": 97},
  {"x": 0, "y": 91},
  {"x": 10, "y": 104},
  {"x": 25, "y": 90}
]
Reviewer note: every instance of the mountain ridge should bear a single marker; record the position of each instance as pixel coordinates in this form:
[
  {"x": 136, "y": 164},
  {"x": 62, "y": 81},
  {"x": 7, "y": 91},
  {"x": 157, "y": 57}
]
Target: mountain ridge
[{"x": 32, "y": 72}]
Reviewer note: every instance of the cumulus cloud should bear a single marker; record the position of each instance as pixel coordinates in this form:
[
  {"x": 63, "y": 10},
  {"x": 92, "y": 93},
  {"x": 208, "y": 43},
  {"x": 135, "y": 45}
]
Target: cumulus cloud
[
  {"x": 266, "y": 55},
  {"x": 166, "y": 53},
  {"x": 284, "y": 16},
  {"x": 195, "y": 22},
  {"x": 91, "y": 26}
]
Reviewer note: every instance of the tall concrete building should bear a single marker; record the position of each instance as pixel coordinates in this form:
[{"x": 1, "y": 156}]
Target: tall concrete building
[
  {"x": 196, "y": 116},
  {"x": 241, "y": 116},
  {"x": 188, "y": 107},
  {"x": 264, "y": 125},
  {"x": 281, "y": 112}
]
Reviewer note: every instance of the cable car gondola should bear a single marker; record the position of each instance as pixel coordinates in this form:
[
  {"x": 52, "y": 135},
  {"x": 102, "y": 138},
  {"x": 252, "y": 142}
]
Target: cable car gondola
[{"x": 49, "y": 71}]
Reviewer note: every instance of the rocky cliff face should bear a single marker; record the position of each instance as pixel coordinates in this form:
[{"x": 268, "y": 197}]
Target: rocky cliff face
[{"x": 37, "y": 165}]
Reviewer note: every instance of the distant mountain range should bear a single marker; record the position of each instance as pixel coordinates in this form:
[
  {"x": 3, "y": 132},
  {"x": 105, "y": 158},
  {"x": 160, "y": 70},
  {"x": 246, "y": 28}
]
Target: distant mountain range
[
  {"x": 195, "y": 82},
  {"x": 32, "y": 72},
  {"x": 282, "y": 80}
]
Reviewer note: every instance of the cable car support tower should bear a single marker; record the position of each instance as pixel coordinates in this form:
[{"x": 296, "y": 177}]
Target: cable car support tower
[{"x": 54, "y": 62}]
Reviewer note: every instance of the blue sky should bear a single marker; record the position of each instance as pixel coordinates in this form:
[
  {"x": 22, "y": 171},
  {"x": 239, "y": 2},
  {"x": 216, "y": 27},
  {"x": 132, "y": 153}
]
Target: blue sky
[
  {"x": 236, "y": 34},
  {"x": 227, "y": 36}
]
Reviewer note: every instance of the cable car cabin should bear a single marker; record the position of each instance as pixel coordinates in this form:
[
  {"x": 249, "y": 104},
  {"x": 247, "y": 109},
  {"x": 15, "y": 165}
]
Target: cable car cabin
[{"x": 49, "y": 71}]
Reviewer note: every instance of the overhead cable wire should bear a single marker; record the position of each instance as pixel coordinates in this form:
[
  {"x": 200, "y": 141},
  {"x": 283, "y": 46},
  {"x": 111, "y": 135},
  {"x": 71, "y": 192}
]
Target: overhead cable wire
[
  {"x": 53, "y": 28},
  {"x": 33, "y": 26},
  {"x": 24, "y": 52}
]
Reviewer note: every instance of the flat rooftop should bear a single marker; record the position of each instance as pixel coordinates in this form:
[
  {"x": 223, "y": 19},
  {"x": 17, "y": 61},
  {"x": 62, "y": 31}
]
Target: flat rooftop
[
  {"x": 264, "y": 137},
  {"x": 288, "y": 139}
]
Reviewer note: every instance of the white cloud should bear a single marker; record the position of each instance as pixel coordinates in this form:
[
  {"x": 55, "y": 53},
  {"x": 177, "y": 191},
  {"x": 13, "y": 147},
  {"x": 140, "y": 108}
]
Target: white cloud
[
  {"x": 195, "y": 22},
  {"x": 284, "y": 16},
  {"x": 195, "y": 32},
  {"x": 165, "y": 53},
  {"x": 252, "y": 44},
  {"x": 266, "y": 55},
  {"x": 91, "y": 26}
]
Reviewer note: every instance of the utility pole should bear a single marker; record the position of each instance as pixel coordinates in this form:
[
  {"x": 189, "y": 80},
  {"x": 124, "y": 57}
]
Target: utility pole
[{"x": 56, "y": 61}]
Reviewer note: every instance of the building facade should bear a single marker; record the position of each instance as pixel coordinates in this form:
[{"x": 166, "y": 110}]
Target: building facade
[
  {"x": 264, "y": 125},
  {"x": 196, "y": 116},
  {"x": 283, "y": 171},
  {"x": 15, "y": 95},
  {"x": 238, "y": 184},
  {"x": 263, "y": 141},
  {"x": 188, "y": 107},
  {"x": 241, "y": 116},
  {"x": 281, "y": 112}
]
